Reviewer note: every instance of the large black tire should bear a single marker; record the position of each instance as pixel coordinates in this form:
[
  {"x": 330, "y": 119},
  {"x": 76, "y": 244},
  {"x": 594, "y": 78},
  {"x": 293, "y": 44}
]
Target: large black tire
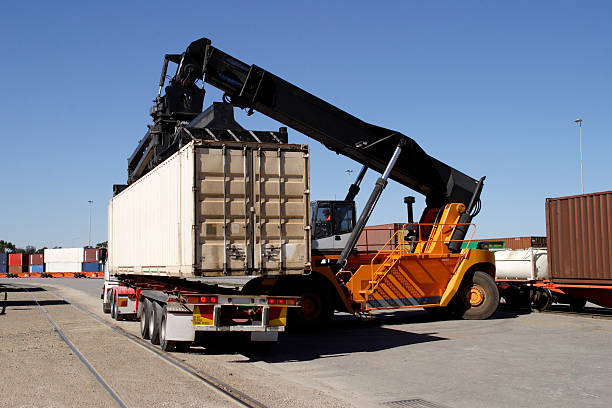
[
  {"x": 477, "y": 298},
  {"x": 143, "y": 307},
  {"x": 577, "y": 305},
  {"x": 113, "y": 307},
  {"x": 166, "y": 345},
  {"x": 155, "y": 322},
  {"x": 315, "y": 310},
  {"x": 542, "y": 299}
]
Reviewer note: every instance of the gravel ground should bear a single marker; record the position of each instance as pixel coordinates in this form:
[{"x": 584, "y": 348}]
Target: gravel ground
[{"x": 139, "y": 377}]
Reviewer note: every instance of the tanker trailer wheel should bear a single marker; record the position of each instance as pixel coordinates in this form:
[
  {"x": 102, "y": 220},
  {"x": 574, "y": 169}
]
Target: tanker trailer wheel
[
  {"x": 577, "y": 305},
  {"x": 143, "y": 307},
  {"x": 478, "y": 297},
  {"x": 542, "y": 299}
]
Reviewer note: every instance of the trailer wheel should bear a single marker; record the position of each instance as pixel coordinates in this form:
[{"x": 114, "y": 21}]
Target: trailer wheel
[
  {"x": 478, "y": 297},
  {"x": 113, "y": 310},
  {"x": 577, "y": 305},
  {"x": 155, "y": 325},
  {"x": 143, "y": 307},
  {"x": 166, "y": 345},
  {"x": 542, "y": 299}
]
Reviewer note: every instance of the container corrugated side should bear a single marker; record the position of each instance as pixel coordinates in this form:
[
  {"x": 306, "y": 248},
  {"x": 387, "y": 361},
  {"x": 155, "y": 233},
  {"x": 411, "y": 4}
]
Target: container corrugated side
[
  {"x": 579, "y": 231},
  {"x": 36, "y": 259},
  {"x": 91, "y": 255},
  {"x": 63, "y": 255},
  {"x": 219, "y": 208},
  {"x": 55, "y": 267},
  {"x": 374, "y": 237},
  {"x": 3, "y": 267},
  {"x": 519, "y": 242},
  {"x": 18, "y": 260},
  {"x": 3, "y": 259}
]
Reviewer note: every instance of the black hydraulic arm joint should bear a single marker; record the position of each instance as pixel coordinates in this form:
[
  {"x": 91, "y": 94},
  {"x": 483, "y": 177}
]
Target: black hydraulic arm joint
[
  {"x": 354, "y": 188},
  {"x": 381, "y": 183}
]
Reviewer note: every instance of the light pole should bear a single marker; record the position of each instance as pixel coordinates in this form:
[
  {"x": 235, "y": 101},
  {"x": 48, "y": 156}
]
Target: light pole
[
  {"x": 90, "y": 206},
  {"x": 579, "y": 122}
]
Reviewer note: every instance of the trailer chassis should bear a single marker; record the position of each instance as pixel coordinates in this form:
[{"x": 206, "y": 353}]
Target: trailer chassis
[{"x": 173, "y": 310}]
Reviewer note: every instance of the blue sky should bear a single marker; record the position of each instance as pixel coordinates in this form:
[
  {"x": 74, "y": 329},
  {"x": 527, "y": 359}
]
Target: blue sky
[{"x": 490, "y": 88}]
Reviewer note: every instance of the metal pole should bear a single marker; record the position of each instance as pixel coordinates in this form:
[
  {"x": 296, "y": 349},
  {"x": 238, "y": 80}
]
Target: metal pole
[
  {"x": 90, "y": 203},
  {"x": 579, "y": 122},
  {"x": 581, "y": 178}
]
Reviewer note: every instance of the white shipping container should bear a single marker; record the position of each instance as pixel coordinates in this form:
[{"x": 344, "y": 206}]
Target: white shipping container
[
  {"x": 64, "y": 255},
  {"x": 62, "y": 267},
  {"x": 213, "y": 209}
]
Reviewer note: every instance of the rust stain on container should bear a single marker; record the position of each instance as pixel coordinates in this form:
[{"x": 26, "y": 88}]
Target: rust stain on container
[{"x": 580, "y": 238}]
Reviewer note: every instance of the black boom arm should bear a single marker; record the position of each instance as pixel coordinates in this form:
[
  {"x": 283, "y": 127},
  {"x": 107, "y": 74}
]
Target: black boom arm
[{"x": 249, "y": 86}]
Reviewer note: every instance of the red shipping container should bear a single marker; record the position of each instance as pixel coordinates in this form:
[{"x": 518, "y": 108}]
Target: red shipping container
[
  {"x": 18, "y": 260},
  {"x": 36, "y": 259},
  {"x": 17, "y": 269},
  {"x": 374, "y": 237},
  {"x": 91, "y": 255}
]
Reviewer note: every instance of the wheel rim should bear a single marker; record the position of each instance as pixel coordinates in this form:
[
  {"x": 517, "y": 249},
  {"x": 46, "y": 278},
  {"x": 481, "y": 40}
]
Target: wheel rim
[
  {"x": 475, "y": 295},
  {"x": 151, "y": 319},
  {"x": 162, "y": 331}
]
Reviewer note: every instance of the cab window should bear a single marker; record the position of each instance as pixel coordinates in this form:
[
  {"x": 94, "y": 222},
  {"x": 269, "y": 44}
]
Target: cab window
[
  {"x": 323, "y": 223},
  {"x": 343, "y": 218}
]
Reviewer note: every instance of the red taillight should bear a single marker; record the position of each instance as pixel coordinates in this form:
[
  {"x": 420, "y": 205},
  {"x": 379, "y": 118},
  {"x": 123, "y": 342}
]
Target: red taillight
[
  {"x": 212, "y": 299},
  {"x": 208, "y": 299},
  {"x": 282, "y": 301}
]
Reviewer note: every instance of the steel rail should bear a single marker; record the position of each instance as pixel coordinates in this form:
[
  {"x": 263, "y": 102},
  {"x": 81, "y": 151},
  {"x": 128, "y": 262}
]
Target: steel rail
[
  {"x": 217, "y": 385},
  {"x": 81, "y": 357}
]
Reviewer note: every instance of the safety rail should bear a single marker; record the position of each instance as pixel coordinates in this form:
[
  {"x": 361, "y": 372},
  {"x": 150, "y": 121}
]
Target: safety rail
[{"x": 407, "y": 246}]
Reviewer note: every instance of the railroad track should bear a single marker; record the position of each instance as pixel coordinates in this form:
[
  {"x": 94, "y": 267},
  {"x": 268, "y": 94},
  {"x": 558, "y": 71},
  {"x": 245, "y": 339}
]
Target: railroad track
[{"x": 230, "y": 393}]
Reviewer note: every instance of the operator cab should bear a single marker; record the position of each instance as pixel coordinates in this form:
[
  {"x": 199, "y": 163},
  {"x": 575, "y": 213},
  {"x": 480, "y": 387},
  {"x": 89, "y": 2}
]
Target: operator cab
[{"x": 332, "y": 224}]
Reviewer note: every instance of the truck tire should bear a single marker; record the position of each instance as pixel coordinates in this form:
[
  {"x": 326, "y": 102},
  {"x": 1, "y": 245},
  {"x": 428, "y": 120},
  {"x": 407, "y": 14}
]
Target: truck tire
[
  {"x": 113, "y": 310},
  {"x": 156, "y": 322},
  {"x": 577, "y": 305},
  {"x": 315, "y": 310},
  {"x": 477, "y": 298},
  {"x": 143, "y": 305},
  {"x": 166, "y": 345}
]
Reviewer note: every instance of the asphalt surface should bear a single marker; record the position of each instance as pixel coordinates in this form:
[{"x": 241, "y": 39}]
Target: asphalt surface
[{"x": 515, "y": 359}]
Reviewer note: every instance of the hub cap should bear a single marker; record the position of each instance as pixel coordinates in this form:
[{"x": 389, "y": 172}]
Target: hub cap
[{"x": 475, "y": 295}]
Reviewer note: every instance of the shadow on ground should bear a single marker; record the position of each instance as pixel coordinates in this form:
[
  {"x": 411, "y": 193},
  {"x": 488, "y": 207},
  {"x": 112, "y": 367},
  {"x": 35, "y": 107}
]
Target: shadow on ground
[{"x": 5, "y": 303}]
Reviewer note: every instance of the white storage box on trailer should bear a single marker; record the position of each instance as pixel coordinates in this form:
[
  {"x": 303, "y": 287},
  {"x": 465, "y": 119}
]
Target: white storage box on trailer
[
  {"x": 64, "y": 255},
  {"x": 214, "y": 209},
  {"x": 54, "y": 267},
  {"x": 521, "y": 264}
]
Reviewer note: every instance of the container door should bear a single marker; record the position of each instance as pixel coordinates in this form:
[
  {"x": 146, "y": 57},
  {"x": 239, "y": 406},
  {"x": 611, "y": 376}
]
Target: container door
[
  {"x": 281, "y": 211},
  {"x": 224, "y": 176}
]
